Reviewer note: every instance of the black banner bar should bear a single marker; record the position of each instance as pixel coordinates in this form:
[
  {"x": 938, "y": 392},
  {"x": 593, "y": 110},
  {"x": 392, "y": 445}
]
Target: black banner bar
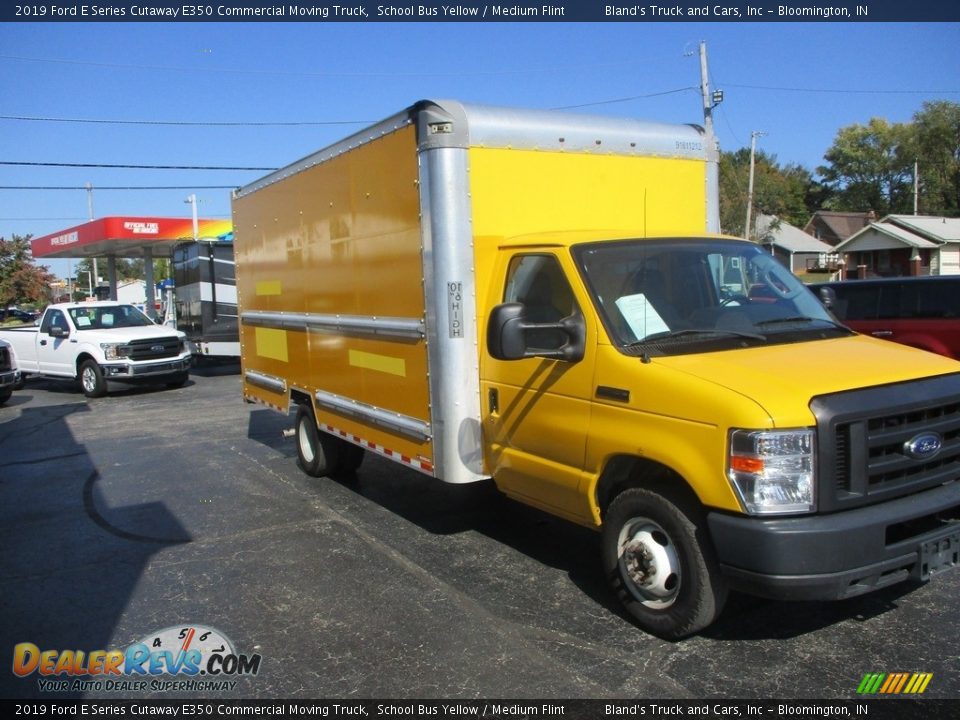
[
  {"x": 871, "y": 709},
  {"x": 474, "y": 11}
]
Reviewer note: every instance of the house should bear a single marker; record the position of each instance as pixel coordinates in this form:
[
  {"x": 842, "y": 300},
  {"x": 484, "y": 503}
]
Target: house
[
  {"x": 833, "y": 227},
  {"x": 797, "y": 250},
  {"x": 904, "y": 245}
]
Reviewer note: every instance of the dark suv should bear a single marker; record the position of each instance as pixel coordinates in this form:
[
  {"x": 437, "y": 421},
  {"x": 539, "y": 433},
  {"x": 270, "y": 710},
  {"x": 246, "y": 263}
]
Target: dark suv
[{"x": 923, "y": 312}]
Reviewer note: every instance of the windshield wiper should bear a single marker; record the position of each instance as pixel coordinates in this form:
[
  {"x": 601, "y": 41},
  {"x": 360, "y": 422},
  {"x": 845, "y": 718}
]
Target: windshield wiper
[
  {"x": 671, "y": 334},
  {"x": 796, "y": 319}
]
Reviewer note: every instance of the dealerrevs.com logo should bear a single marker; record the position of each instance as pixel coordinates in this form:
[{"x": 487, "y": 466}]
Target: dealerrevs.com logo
[{"x": 179, "y": 658}]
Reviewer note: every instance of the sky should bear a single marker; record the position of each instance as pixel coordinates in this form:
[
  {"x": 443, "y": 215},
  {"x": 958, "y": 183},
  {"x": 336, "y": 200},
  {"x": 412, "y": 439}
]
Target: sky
[{"x": 798, "y": 83}]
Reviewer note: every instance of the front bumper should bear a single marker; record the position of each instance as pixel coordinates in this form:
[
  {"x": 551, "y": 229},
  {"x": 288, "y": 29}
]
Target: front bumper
[
  {"x": 129, "y": 371},
  {"x": 843, "y": 554},
  {"x": 9, "y": 378}
]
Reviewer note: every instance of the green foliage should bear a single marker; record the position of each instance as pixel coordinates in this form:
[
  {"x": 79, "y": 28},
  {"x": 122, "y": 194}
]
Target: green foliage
[
  {"x": 868, "y": 167},
  {"x": 22, "y": 282},
  {"x": 937, "y": 147},
  {"x": 871, "y": 167},
  {"x": 127, "y": 269},
  {"x": 781, "y": 191}
]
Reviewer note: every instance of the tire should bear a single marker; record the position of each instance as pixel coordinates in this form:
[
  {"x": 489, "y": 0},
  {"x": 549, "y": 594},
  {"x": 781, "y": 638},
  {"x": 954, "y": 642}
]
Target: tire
[
  {"x": 317, "y": 452},
  {"x": 178, "y": 379},
  {"x": 5, "y": 395},
  {"x": 91, "y": 379},
  {"x": 660, "y": 563}
]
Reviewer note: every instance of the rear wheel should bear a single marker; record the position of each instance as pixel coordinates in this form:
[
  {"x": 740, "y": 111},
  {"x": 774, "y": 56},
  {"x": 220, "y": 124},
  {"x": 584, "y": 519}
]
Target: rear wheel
[
  {"x": 91, "y": 379},
  {"x": 660, "y": 563},
  {"x": 317, "y": 452}
]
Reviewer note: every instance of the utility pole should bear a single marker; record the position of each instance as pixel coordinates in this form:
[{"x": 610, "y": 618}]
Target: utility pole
[
  {"x": 753, "y": 151},
  {"x": 710, "y": 101},
  {"x": 192, "y": 199},
  {"x": 93, "y": 261},
  {"x": 916, "y": 187}
]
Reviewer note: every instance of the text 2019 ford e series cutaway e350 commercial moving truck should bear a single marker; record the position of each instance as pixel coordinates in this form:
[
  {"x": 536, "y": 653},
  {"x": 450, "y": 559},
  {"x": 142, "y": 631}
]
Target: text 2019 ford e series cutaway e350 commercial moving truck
[{"x": 542, "y": 299}]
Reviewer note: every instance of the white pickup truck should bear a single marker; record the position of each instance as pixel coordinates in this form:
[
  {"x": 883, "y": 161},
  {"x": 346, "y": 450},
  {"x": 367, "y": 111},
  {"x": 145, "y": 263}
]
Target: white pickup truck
[
  {"x": 100, "y": 341},
  {"x": 9, "y": 374}
]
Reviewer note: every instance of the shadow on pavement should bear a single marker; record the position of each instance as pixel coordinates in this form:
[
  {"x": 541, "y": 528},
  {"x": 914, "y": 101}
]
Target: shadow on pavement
[{"x": 70, "y": 562}]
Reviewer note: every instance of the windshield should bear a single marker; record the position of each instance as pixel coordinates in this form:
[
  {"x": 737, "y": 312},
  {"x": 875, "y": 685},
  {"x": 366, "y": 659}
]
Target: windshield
[
  {"x": 109, "y": 316},
  {"x": 679, "y": 295}
]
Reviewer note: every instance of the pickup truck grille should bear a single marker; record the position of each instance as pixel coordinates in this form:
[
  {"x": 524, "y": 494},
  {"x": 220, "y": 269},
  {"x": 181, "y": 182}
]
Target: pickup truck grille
[
  {"x": 871, "y": 441},
  {"x": 5, "y": 363},
  {"x": 154, "y": 349}
]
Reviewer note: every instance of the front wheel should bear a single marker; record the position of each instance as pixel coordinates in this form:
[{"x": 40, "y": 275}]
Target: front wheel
[
  {"x": 660, "y": 564},
  {"x": 5, "y": 395},
  {"x": 91, "y": 379}
]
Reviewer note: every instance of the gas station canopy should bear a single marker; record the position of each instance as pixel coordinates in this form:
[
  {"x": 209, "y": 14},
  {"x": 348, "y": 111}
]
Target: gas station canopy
[{"x": 126, "y": 237}]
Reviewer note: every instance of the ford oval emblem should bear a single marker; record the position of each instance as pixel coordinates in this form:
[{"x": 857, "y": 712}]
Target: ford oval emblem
[
  {"x": 160, "y": 348},
  {"x": 923, "y": 447}
]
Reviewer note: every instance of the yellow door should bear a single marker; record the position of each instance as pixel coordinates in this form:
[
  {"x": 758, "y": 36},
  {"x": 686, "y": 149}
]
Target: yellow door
[{"x": 537, "y": 410}]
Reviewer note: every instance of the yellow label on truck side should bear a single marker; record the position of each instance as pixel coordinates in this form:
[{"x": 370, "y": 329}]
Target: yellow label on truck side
[
  {"x": 268, "y": 287},
  {"x": 272, "y": 343},
  {"x": 380, "y": 363}
]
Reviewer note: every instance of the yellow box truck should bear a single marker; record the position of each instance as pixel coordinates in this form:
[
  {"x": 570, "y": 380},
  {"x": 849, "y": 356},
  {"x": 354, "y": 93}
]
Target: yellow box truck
[{"x": 541, "y": 298}]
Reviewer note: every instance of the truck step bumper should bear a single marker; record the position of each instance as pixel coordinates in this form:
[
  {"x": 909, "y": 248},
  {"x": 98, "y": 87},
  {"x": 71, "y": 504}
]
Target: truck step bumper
[
  {"x": 129, "y": 372},
  {"x": 830, "y": 557}
]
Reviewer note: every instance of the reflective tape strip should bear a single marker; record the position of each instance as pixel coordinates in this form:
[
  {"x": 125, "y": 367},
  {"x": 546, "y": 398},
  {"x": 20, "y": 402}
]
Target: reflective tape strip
[
  {"x": 258, "y": 401},
  {"x": 423, "y": 465}
]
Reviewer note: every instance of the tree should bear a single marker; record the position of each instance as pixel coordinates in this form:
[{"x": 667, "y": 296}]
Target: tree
[
  {"x": 936, "y": 146},
  {"x": 126, "y": 270},
  {"x": 871, "y": 167},
  {"x": 21, "y": 280},
  {"x": 782, "y": 191}
]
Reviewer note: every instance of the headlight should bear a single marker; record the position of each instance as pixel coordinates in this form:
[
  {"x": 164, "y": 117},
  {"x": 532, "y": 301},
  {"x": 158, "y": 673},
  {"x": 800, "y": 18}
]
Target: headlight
[
  {"x": 773, "y": 471},
  {"x": 113, "y": 351}
]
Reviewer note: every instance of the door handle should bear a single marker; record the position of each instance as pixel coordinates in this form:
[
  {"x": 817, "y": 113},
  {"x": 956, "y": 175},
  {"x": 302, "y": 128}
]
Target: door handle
[
  {"x": 882, "y": 333},
  {"x": 493, "y": 400}
]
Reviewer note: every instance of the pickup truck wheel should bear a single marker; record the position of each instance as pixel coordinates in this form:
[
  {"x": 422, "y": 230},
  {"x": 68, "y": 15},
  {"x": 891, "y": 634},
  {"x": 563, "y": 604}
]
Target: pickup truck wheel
[
  {"x": 5, "y": 395},
  {"x": 317, "y": 452},
  {"x": 660, "y": 564},
  {"x": 91, "y": 379}
]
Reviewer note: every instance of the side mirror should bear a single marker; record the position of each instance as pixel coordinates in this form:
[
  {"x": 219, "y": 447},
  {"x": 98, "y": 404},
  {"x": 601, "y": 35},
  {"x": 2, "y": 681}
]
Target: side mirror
[
  {"x": 58, "y": 332},
  {"x": 508, "y": 335},
  {"x": 828, "y": 297}
]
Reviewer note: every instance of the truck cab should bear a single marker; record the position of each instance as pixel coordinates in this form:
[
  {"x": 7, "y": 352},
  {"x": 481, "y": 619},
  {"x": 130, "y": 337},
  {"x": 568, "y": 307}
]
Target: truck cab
[{"x": 693, "y": 398}]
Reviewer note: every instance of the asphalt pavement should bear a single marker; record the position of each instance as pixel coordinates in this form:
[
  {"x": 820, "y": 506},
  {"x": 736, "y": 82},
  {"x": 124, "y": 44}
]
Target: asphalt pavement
[{"x": 151, "y": 512}]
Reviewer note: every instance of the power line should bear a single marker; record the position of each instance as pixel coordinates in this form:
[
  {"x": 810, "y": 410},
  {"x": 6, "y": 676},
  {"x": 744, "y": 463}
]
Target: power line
[
  {"x": 330, "y": 74},
  {"x": 626, "y": 99},
  {"x": 133, "y": 167},
  {"x": 185, "y": 123},
  {"x": 858, "y": 91}
]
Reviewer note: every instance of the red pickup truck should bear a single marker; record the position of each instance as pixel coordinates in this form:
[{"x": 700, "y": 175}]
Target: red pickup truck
[{"x": 923, "y": 312}]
